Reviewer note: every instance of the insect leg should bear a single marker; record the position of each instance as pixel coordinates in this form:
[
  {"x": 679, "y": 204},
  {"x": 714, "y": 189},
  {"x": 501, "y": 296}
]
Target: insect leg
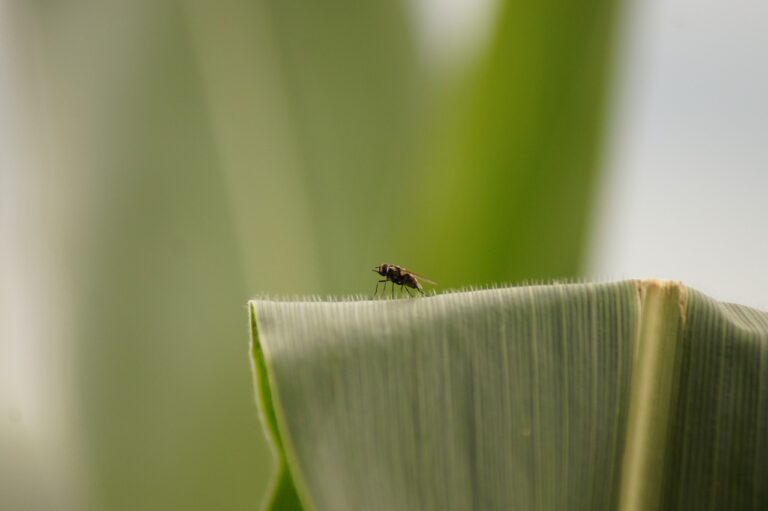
[
  {"x": 409, "y": 292},
  {"x": 377, "y": 286}
]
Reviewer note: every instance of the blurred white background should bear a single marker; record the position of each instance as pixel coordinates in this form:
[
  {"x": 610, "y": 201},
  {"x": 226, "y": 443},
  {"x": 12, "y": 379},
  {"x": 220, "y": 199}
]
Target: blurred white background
[{"x": 686, "y": 169}]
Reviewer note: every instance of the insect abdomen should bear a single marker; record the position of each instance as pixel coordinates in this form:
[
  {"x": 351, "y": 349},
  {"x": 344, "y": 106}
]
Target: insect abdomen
[{"x": 411, "y": 281}]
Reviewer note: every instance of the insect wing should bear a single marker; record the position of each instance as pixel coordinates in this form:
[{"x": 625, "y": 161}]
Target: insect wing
[{"x": 423, "y": 279}]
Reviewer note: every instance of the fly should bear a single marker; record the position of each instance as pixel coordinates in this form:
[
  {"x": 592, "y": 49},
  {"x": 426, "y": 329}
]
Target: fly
[{"x": 400, "y": 276}]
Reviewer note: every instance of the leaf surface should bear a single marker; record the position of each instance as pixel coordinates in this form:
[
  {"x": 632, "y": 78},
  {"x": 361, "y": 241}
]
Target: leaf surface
[
  {"x": 628, "y": 395},
  {"x": 578, "y": 396}
]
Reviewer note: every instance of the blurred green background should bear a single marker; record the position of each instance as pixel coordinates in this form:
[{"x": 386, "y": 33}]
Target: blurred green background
[{"x": 182, "y": 156}]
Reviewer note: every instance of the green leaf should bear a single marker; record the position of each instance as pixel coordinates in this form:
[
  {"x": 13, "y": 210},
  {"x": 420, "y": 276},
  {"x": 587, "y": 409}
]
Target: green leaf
[
  {"x": 510, "y": 173},
  {"x": 629, "y": 395}
]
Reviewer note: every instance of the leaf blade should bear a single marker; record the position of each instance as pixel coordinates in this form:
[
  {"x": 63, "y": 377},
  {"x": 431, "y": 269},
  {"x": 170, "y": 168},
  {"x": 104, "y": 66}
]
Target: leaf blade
[
  {"x": 344, "y": 397},
  {"x": 585, "y": 396}
]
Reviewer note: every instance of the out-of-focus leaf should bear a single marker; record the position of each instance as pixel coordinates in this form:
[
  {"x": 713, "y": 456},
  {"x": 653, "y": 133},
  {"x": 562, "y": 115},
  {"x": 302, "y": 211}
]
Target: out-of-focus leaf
[
  {"x": 143, "y": 230},
  {"x": 512, "y": 162},
  {"x": 313, "y": 106},
  {"x": 631, "y": 395}
]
